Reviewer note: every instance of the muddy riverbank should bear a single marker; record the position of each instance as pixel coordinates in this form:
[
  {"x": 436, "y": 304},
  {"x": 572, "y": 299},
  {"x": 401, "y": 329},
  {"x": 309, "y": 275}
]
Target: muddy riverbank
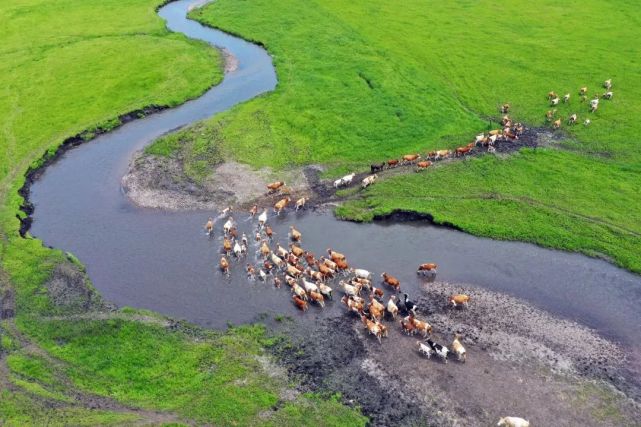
[
  {"x": 520, "y": 361},
  {"x": 161, "y": 183}
]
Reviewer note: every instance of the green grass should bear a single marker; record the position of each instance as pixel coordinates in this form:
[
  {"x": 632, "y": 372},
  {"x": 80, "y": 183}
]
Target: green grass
[
  {"x": 369, "y": 80},
  {"x": 217, "y": 377},
  {"x": 31, "y": 367},
  {"x": 19, "y": 408},
  {"x": 73, "y": 66},
  {"x": 195, "y": 151}
]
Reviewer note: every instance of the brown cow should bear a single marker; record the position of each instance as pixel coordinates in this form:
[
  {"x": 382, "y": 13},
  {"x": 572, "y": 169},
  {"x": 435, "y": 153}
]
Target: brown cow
[
  {"x": 549, "y": 116},
  {"x": 296, "y": 250},
  {"x": 427, "y": 268},
  {"x": 341, "y": 264},
  {"x": 391, "y": 281},
  {"x": 281, "y": 204},
  {"x": 421, "y": 326},
  {"x": 209, "y": 227},
  {"x": 423, "y": 165},
  {"x": 392, "y": 163},
  {"x": 317, "y": 297},
  {"x": 442, "y": 154},
  {"x": 335, "y": 255},
  {"x": 275, "y": 185},
  {"x": 226, "y": 245},
  {"x": 300, "y": 303},
  {"x": 409, "y": 158},
  {"x": 224, "y": 265},
  {"x": 459, "y": 300},
  {"x": 461, "y": 151},
  {"x": 295, "y": 235},
  {"x": 310, "y": 258},
  {"x": 407, "y": 327}
]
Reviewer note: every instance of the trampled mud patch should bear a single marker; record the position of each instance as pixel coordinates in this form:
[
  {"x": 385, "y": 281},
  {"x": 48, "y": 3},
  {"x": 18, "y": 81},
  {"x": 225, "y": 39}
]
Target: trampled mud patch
[
  {"x": 160, "y": 182},
  {"x": 520, "y": 361}
]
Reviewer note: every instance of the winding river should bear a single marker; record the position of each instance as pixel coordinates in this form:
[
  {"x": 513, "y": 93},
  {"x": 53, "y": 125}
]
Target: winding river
[{"x": 163, "y": 261}]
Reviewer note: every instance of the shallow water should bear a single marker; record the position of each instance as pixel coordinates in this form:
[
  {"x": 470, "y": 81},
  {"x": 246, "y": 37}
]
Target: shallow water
[{"x": 163, "y": 260}]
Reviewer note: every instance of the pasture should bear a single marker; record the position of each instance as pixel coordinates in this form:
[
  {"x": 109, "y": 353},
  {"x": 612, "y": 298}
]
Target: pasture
[{"x": 367, "y": 81}]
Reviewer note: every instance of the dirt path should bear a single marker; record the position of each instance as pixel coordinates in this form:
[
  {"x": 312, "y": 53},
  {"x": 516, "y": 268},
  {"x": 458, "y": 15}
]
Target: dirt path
[{"x": 521, "y": 361}]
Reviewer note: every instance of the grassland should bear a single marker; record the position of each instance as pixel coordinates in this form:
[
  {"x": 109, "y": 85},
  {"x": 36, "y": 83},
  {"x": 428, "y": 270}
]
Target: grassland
[
  {"x": 365, "y": 81},
  {"x": 70, "y": 66}
]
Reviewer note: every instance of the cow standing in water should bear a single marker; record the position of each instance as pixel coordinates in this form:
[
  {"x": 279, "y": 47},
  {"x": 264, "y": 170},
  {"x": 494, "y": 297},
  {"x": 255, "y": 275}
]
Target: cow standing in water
[{"x": 209, "y": 227}]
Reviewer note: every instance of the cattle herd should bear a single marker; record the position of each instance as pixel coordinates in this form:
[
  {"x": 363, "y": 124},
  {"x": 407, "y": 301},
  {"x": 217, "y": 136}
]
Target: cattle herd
[
  {"x": 508, "y": 132},
  {"x": 554, "y": 99},
  {"x": 314, "y": 281}
]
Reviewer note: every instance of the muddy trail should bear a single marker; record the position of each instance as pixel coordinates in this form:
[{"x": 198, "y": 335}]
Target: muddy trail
[
  {"x": 160, "y": 182},
  {"x": 547, "y": 370}
]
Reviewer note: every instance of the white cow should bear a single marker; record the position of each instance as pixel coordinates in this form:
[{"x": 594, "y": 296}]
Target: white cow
[{"x": 513, "y": 422}]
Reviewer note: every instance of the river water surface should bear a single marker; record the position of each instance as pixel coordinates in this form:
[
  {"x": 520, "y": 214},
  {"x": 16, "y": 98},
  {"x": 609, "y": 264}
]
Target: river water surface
[{"x": 163, "y": 261}]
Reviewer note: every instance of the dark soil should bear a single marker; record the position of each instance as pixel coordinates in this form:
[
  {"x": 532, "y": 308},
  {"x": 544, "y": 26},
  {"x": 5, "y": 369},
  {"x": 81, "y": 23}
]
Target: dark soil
[
  {"x": 69, "y": 289},
  {"x": 7, "y": 303}
]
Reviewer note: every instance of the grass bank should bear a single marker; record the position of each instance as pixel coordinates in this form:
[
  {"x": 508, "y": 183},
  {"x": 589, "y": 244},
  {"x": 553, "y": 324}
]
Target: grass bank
[
  {"x": 366, "y": 81},
  {"x": 66, "y": 357}
]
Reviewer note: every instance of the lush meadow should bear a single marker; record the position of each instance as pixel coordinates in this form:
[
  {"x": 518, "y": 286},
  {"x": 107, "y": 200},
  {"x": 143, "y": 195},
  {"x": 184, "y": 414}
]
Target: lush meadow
[{"x": 361, "y": 82}]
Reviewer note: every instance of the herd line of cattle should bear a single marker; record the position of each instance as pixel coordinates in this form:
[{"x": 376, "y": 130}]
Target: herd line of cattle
[{"x": 509, "y": 131}]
